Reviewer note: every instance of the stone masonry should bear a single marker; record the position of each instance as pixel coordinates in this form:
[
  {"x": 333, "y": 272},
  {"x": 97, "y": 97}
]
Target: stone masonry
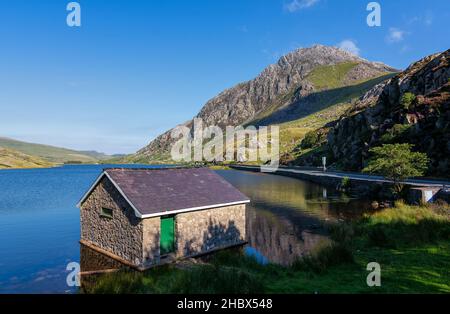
[
  {"x": 150, "y": 243},
  {"x": 202, "y": 231},
  {"x": 122, "y": 235},
  {"x": 137, "y": 240}
]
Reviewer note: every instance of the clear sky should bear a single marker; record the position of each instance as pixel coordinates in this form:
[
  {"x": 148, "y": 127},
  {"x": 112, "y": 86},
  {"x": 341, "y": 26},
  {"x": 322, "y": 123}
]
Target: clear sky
[{"x": 136, "y": 68}]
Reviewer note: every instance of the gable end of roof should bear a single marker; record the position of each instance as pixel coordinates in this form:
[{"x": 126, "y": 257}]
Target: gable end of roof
[{"x": 116, "y": 186}]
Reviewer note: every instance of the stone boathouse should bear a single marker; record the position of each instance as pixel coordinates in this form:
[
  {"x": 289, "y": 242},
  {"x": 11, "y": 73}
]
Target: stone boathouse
[{"x": 146, "y": 217}]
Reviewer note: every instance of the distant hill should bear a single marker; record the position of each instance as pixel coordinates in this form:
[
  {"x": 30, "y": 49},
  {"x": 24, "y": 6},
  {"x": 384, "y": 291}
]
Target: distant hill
[
  {"x": 304, "y": 90},
  {"x": 13, "y": 159},
  {"x": 98, "y": 155},
  {"x": 53, "y": 154}
]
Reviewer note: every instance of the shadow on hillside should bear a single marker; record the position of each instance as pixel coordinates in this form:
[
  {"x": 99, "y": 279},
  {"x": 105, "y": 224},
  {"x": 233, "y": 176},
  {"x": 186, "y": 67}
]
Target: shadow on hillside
[{"x": 319, "y": 101}]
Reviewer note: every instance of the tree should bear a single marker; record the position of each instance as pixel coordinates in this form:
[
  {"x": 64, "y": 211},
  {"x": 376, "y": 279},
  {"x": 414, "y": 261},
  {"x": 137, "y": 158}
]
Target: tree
[
  {"x": 397, "y": 162},
  {"x": 407, "y": 100},
  {"x": 310, "y": 140}
]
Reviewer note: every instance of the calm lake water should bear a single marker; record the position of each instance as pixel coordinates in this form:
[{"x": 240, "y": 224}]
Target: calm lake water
[{"x": 40, "y": 227}]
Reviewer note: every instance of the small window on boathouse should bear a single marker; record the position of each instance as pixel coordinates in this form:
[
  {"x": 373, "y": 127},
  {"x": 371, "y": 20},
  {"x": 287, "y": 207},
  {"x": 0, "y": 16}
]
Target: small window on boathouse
[{"x": 106, "y": 213}]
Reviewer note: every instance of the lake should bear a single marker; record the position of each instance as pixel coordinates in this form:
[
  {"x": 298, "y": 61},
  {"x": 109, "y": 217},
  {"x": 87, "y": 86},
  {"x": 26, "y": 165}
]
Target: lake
[{"x": 40, "y": 227}]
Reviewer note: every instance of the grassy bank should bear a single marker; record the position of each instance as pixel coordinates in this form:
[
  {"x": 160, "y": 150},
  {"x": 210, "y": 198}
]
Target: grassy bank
[{"x": 412, "y": 245}]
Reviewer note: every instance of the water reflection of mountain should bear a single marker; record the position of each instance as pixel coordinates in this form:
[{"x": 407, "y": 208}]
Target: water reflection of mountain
[
  {"x": 280, "y": 239},
  {"x": 273, "y": 189},
  {"x": 286, "y": 216},
  {"x": 312, "y": 199}
]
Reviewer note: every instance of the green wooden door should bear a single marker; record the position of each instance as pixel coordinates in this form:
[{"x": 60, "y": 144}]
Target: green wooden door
[{"x": 167, "y": 239}]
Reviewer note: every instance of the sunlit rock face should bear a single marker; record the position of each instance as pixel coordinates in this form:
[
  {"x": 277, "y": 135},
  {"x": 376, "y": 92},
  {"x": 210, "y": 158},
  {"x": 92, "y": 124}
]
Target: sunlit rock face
[
  {"x": 379, "y": 117},
  {"x": 282, "y": 85}
]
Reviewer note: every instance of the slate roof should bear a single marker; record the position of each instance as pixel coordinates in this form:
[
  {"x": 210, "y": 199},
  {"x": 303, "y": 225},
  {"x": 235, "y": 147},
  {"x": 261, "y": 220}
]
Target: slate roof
[{"x": 153, "y": 192}]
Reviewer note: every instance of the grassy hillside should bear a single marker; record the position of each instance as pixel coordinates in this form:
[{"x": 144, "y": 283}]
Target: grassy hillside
[
  {"x": 331, "y": 76},
  {"x": 13, "y": 159},
  {"x": 48, "y": 153},
  {"x": 334, "y": 96}
]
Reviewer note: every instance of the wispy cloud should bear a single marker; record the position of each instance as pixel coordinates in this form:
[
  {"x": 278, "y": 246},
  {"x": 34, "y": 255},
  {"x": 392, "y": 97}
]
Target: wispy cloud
[
  {"x": 426, "y": 19},
  {"x": 296, "y": 5},
  {"x": 350, "y": 46},
  {"x": 395, "y": 35}
]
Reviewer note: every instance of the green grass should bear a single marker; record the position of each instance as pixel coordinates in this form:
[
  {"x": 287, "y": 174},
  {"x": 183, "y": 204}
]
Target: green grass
[
  {"x": 423, "y": 269},
  {"x": 330, "y": 76},
  {"x": 205, "y": 279},
  {"x": 13, "y": 159},
  {"x": 419, "y": 262},
  {"x": 48, "y": 153},
  {"x": 407, "y": 224}
]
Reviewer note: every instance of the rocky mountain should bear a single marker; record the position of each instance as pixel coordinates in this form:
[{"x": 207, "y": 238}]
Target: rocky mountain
[
  {"x": 412, "y": 107},
  {"x": 294, "y": 87}
]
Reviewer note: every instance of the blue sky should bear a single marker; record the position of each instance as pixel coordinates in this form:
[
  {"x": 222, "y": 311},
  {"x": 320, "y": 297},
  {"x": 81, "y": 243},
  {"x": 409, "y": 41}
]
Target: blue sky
[{"x": 136, "y": 68}]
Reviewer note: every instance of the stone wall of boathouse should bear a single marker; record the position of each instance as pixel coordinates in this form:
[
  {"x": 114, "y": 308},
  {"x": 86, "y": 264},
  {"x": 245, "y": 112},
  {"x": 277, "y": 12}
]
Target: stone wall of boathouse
[
  {"x": 137, "y": 240},
  {"x": 151, "y": 241},
  {"x": 121, "y": 235},
  {"x": 203, "y": 231}
]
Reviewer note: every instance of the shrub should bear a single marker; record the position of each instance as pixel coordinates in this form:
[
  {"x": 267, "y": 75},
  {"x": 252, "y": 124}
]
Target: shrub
[
  {"x": 407, "y": 100},
  {"x": 311, "y": 139},
  {"x": 345, "y": 183},
  {"x": 396, "y": 132}
]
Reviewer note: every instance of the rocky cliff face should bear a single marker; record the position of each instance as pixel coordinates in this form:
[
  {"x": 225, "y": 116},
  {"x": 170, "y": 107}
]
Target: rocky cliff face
[
  {"x": 279, "y": 86},
  {"x": 381, "y": 117}
]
